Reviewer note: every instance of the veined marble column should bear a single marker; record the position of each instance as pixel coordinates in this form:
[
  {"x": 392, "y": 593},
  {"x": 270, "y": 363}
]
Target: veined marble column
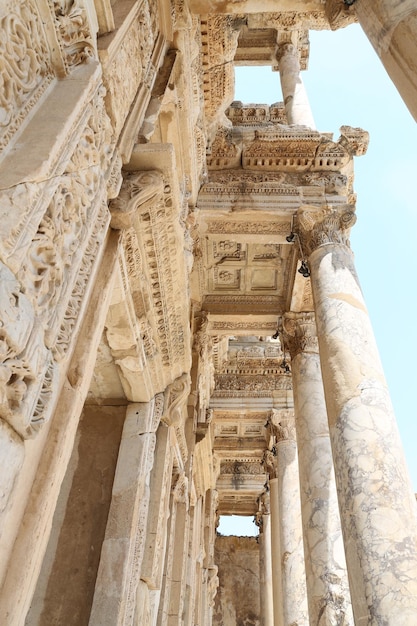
[
  {"x": 392, "y": 30},
  {"x": 263, "y": 521},
  {"x": 327, "y": 581},
  {"x": 375, "y": 496},
  {"x": 297, "y": 106},
  {"x": 293, "y": 577},
  {"x": 276, "y": 553}
]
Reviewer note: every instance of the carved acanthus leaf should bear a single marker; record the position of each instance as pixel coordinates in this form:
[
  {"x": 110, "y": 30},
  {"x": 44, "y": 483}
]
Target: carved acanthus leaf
[
  {"x": 73, "y": 32},
  {"x": 137, "y": 190},
  {"x": 299, "y": 333},
  {"x": 319, "y": 225}
]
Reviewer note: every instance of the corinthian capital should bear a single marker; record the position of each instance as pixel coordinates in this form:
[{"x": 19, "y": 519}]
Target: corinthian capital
[
  {"x": 320, "y": 225},
  {"x": 286, "y": 49},
  {"x": 299, "y": 333},
  {"x": 282, "y": 424}
]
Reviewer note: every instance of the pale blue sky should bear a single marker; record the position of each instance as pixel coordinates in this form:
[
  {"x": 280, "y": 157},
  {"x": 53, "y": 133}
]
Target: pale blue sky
[{"x": 347, "y": 85}]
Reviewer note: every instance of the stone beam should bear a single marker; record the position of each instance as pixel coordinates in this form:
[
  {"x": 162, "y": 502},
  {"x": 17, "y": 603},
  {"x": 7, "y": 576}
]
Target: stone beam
[{"x": 253, "y": 6}]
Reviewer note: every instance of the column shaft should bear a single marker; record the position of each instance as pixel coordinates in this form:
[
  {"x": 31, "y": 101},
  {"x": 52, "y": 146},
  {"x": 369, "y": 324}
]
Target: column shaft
[
  {"x": 375, "y": 496},
  {"x": 276, "y": 553},
  {"x": 392, "y": 30},
  {"x": 327, "y": 581},
  {"x": 296, "y": 102},
  {"x": 266, "y": 571},
  {"x": 294, "y": 592}
]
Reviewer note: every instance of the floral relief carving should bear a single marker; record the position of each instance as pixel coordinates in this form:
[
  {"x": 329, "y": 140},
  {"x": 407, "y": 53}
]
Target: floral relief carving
[
  {"x": 135, "y": 56},
  {"x": 73, "y": 32},
  {"x": 26, "y": 370},
  {"x": 299, "y": 333},
  {"x": 282, "y": 424},
  {"x": 319, "y": 225},
  {"x": 24, "y": 62}
]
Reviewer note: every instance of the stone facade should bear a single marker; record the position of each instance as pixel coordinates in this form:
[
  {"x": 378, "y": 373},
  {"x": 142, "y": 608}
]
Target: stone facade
[{"x": 182, "y": 334}]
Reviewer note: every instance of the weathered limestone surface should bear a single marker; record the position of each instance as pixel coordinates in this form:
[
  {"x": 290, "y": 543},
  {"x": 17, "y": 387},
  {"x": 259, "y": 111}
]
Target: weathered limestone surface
[
  {"x": 237, "y": 601},
  {"x": 72, "y": 558},
  {"x": 147, "y": 257}
]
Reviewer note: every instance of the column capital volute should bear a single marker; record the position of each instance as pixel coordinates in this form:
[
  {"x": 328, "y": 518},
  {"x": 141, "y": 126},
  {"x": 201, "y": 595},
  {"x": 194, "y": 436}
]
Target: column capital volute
[
  {"x": 286, "y": 48},
  {"x": 282, "y": 424},
  {"x": 299, "y": 333},
  {"x": 317, "y": 226},
  {"x": 290, "y": 53}
]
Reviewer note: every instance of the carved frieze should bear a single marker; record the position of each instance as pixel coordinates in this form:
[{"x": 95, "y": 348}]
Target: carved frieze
[
  {"x": 73, "y": 32},
  {"x": 25, "y": 64},
  {"x": 292, "y": 151},
  {"x": 252, "y": 382},
  {"x": 52, "y": 245},
  {"x": 219, "y": 36},
  {"x": 27, "y": 381},
  {"x": 241, "y": 466},
  {"x": 55, "y": 265},
  {"x": 306, "y": 20},
  {"x": 134, "y": 55},
  {"x": 229, "y": 227}
]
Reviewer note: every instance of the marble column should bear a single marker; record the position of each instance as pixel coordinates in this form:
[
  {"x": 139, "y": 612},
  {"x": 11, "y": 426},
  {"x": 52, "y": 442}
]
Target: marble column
[
  {"x": 275, "y": 553},
  {"x": 392, "y": 30},
  {"x": 293, "y": 577},
  {"x": 263, "y": 521},
  {"x": 297, "y": 106},
  {"x": 327, "y": 581},
  {"x": 375, "y": 496}
]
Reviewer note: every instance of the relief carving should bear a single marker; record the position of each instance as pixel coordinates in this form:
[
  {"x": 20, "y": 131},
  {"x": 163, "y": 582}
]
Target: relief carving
[
  {"x": 282, "y": 425},
  {"x": 219, "y": 35},
  {"x": 317, "y": 226},
  {"x": 134, "y": 56},
  {"x": 137, "y": 189},
  {"x": 269, "y": 463},
  {"x": 73, "y": 32},
  {"x": 26, "y": 370},
  {"x": 339, "y": 14},
  {"x": 25, "y": 65},
  {"x": 299, "y": 333}
]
